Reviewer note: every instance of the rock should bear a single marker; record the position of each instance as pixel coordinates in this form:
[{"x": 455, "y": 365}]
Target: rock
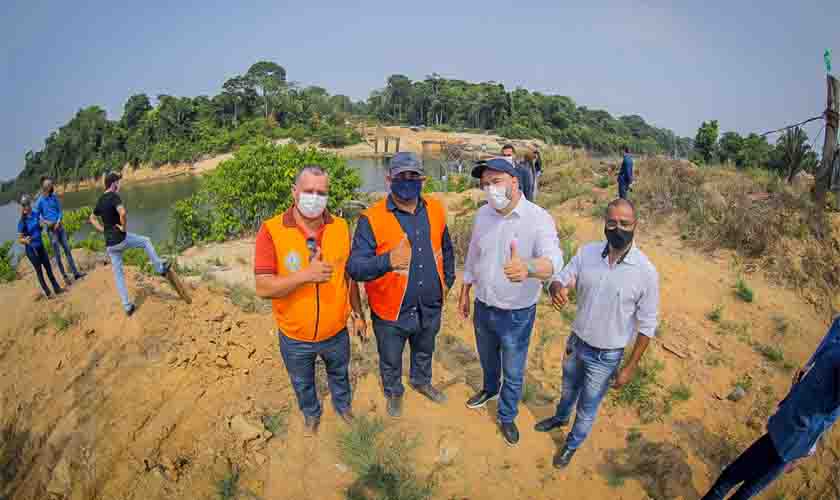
[
  {"x": 342, "y": 468},
  {"x": 260, "y": 458},
  {"x": 448, "y": 450},
  {"x": 244, "y": 430},
  {"x": 737, "y": 394}
]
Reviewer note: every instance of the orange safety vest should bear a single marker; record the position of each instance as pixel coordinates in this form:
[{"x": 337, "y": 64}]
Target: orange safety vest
[
  {"x": 386, "y": 293},
  {"x": 315, "y": 311}
]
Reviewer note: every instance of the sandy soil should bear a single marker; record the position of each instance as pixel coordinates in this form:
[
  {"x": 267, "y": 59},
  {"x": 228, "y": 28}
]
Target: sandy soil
[{"x": 162, "y": 404}]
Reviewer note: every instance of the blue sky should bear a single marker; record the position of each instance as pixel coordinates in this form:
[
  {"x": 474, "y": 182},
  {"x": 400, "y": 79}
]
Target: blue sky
[{"x": 751, "y": 65}]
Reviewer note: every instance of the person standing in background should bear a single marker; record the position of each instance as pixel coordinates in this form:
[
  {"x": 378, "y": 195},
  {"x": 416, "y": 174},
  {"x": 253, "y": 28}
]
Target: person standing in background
[
  {"x": 625, "y": 174},
  {"x": 29, "y": 235},
  {"x": 523, "y": 172},
  {"x": 49, "y": 207}
]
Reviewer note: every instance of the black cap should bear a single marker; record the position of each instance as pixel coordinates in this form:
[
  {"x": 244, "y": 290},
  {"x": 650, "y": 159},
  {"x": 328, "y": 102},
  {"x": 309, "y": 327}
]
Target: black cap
[
  {"x": 111, "y": 178},
  {"x": 405, "y": 162},
  {"x": 497, "y": 164}
]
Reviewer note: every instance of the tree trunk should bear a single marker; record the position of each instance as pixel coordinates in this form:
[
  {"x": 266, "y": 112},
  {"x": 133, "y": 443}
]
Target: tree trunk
[{"x": 823, "y": 178}]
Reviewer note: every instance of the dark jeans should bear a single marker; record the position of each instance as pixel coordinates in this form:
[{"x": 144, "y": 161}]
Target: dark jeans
[
  {"x": 40, "y": 259},
  {"x": 390, "y": 342},
  {"x": 623, "y": 189},
  {"x": 300, "y": 357},
  {"x": 756, "y": 468},
  {"x": 58, "y": 238},
  {"x": 502, "y": 337}
]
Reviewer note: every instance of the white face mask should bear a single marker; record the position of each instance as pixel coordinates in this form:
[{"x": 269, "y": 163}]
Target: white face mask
[
  {"x": 311, "y": 205},
  {"x": 497, "y": 196}
]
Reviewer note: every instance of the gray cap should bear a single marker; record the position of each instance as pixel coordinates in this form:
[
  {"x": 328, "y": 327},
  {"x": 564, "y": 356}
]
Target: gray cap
[{"x": 405, "y": 162}]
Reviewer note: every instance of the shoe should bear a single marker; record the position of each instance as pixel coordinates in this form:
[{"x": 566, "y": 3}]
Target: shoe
[
  {"x": 562, "y": 459},
  {"x": 510, "y": 433},
  {"x": 67, "y": 280},
  {"x": 395, "y": 407},
  {"x": 79, "y": 276},
  {"x": 550, "y": 424},
  {"x": 430, "y": 392},
  {"x": 59, "y": 291},
  {"x": 165, "y": 267},
  {"x": 130, "y": 310},
  {"x": 310, "y": 425},
  {"x": 347, "y": 416},
  {"x": 481, "y": 399}
]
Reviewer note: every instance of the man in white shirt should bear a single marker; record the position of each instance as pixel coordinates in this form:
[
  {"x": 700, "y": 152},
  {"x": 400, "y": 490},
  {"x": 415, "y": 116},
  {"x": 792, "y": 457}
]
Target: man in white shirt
[
  {"x": 617, "y": 296},
  {"x": 513, "y": 247}
]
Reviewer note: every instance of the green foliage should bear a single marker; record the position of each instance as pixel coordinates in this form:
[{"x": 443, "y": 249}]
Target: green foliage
[
  {"x": 745, "y": 382},
  {"x": 61, "y": 320},
  {"x": 7, "y": 272},
  {"x": 433, "y": 185},
  {"x": 604, "y": 182},
  {"x": 743, "y": 291},
  {"x": 634, "y": 435},
  {"x": 251, "y": 187},
  {"x": 228, "y": 487},
  {"x": 277, "y": 423},
  {"x": 715, "y": 314},
  {"x": 338, "y": 137},
  {"x": 774, "y": 354},
  {"x": 705, "y": 143},
  {"x": 639, "y": 392}
]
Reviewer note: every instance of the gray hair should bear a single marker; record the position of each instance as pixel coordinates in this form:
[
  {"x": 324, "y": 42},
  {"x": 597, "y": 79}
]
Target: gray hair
[
  {"x": 25, "y": 201},
  {"x": 315, "y": 170}
]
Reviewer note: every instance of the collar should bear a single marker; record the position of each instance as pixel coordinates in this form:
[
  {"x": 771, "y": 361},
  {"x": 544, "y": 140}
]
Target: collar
[
  {"x": 392, "y": 207},
  {"x": 629, "y": 257},
  {"x": 289, "y": 217}
]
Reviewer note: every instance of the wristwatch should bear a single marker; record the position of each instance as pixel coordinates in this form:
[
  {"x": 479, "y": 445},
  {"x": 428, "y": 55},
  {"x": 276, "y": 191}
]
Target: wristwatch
[{"x": 532, "y": 269}]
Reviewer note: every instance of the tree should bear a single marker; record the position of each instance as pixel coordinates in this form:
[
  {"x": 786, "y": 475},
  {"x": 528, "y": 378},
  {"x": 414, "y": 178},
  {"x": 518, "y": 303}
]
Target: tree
[
  {"x": 239, "y": 89},
  {"x": 730, "y": 146},
  {"x": 755, "y": 151},
  {"x": 269, "y": 77},
  {"x": 705, "y": 143},
  {"x": 794, "y": 153},
  {"x": 136, "y": 106}
]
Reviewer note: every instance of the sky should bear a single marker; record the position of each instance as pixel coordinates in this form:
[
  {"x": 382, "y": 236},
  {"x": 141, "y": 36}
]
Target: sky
[{"x": 752, "y": 65}]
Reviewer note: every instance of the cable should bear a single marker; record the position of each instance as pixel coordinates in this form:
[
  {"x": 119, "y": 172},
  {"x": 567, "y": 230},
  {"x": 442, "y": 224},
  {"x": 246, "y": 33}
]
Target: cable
[{"x": 793, "y": 126}]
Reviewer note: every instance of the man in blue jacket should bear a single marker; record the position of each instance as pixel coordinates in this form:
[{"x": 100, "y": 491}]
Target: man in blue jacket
[
  {"x": 625, "y": 175},
  {"x": 49, "y": 207},
  {"x": 810, "y": 408}
]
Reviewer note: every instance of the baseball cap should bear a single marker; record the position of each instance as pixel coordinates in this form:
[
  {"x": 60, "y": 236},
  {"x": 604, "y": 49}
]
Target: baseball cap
[
  {"x": 405, "y": 162},
  {"x": 497, "y": 164}
]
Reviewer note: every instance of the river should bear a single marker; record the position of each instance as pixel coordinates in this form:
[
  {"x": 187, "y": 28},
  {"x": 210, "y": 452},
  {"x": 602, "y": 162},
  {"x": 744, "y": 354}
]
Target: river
[{"x": 150, "y": 204}]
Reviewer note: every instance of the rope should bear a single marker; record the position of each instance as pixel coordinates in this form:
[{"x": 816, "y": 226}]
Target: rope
[{"x": 809, "y": 120}]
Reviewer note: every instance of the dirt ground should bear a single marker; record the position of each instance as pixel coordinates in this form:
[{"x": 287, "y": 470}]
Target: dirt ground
[{"x": 165, "y": 404}]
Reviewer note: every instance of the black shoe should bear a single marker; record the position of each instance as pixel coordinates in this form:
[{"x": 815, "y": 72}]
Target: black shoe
[
  {"x": 79, "y": 276},
  {"x": 481, "y": 399},
  {"x": 347, "y": 416},
  {"x": 510, "y": 433},
  {"x": 310, "y": 425},
  {"x": 130, "y": 310},
  {"x": 562, "y": 459},
  {"x": 59, "y": 291},
  {"x": 430, "y": 392},
  {"x": 550, "y": 424},
  {"x": 165, "y": 268},
  {"x": 67, "y": 280},
  {"x": 395, "y": 406}
]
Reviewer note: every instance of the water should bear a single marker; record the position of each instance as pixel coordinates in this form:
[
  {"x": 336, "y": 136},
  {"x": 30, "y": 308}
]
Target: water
[{"x": 149, "y": 205}]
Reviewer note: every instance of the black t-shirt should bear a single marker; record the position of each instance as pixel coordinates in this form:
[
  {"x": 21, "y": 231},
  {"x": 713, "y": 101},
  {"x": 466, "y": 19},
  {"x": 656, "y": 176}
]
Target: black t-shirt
[{"x": 106, "y": 209}]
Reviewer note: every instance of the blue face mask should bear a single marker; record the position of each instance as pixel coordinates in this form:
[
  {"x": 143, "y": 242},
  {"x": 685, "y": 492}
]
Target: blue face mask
[{"x": 406, "y": 189}]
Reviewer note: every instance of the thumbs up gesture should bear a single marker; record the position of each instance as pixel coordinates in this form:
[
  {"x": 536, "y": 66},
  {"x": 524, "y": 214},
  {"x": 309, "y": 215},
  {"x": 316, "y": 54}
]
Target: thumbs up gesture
[
  {"x": 319, "y": 271},
  {"x": 401, "y": 255},
  {"x": 516, "y": 269}
]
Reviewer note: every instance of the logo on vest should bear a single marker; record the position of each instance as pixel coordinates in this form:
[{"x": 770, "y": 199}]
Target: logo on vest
[{"x": 292, "y": 261}]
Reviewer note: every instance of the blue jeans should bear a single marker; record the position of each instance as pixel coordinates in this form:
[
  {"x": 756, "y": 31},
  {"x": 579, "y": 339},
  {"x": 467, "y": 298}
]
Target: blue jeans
[
  {"x": 502, "y": 337},
  {"x": 756, "y": 468},
  {"x": 37, "y": 255},
  {"x": 299, "y": 358},
  {"x": 623, "y": 189},
  {"x": 587, "y": 372},
  {"x": 116, "y": 254},
  {"x": 58, "y": 238},
  {"x": 390, "y": 342}
]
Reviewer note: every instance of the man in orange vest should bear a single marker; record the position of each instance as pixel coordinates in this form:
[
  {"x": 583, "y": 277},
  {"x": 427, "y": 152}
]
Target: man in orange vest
[
  {"x": 403, "y": 253},
  {"x": 299, "y": 264}
]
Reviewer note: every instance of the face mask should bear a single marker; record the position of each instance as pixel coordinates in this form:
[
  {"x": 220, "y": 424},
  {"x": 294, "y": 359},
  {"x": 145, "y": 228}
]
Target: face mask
[
  {"x": 498, "y": 196},
  {"x": 406, "y": 189},
  {"x": 311, "y": 205},
  {"x": 618, "y": 238}
]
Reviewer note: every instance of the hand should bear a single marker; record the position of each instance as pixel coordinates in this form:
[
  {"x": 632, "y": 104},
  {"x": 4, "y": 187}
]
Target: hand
[
  {"x": 360, "y": 327},
  {"x": 119, "y": 227},
  {"x": 401, "y": 255},
  {"x": 516, "y": 270},
  {"x": 624, "y": 376},
  {"x": 27, "y": 240},
  {"x": 797, "y": 376},
  {"x": 464, "y": 306},
  {"x": 318, "y": 271},
  {"x": 57, "y": 226},
  {"x": 559, "y": 295},
  {"x": 791, "y": 466}
]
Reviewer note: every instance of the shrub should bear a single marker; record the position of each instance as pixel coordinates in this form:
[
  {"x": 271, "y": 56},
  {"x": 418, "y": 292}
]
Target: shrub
[
  {"x": 743, "y": 291},
  {"x": 337, "y": 137},
  {"x": 715, "y": 314},
  {"x": 7, "y": 272},
  {"x": 252, "y": 186},
  {"x": 639, "y": 391}
]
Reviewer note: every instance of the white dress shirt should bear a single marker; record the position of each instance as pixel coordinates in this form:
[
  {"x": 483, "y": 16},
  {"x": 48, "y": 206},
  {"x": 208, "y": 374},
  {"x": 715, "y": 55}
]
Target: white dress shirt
[
  {"x": 612, "y": 301},
  {"x": 535, "y": 234}
]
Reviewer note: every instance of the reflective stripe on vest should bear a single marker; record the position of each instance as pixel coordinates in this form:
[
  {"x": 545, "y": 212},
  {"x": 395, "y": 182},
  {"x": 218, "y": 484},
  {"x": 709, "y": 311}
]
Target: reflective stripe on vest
[
  {"x": 312, "y": 312},
  {"x": 386, "y": 293}
]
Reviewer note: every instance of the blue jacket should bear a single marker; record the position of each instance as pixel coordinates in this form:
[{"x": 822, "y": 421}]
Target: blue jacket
[
  {"x": 813, "y": 404},
  {"x": 625, "y": 175},
  {"x": 31, "y": 226},
  {"x": 49, "y": 207}
]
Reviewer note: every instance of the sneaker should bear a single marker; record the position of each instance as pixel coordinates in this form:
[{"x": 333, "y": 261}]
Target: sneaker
[
  {"x": 165, "y": 267},
  {"x": 550, "y": 424},
  {"x": 310, "y": 426},
  {"x": 481, "y": 399},
  {"x": 395, "y": 407},
  {"x": 347, "y": 416},
  {"x": 510, "y": 433},
  {"x": 79, "y": 276},
  {"x": 430, "y": 392},
  {"x": 562, "y": 459},
  {"x": 130, "y": 310}
]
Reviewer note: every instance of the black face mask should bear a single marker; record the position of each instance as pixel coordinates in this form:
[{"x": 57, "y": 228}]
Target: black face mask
[{"x": 618, "y": 238}]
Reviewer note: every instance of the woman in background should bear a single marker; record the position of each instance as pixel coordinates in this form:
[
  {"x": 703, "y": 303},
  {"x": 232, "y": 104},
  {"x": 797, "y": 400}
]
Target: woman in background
[{"x": 29, "y": 235}]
